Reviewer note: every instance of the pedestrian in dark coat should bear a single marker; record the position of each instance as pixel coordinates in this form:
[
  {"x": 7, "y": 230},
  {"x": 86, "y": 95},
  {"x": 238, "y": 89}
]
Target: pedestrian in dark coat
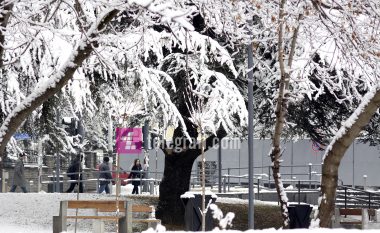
[
  {"x": 76, "y": 168},
  {"x": 19, "y": 176},
  {"x": 136, "y": 174},
  {"x": 105, "y": 176}
]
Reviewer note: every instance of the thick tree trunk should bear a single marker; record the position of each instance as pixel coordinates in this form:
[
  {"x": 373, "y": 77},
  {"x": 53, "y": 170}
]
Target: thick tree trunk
[
  {"x": 176, "y": 179},
  {"x": 335, "y": 152},
  {"x": 175, "y": 182}
]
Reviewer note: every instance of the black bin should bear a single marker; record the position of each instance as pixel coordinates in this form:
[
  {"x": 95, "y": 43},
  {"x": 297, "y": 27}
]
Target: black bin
[
  {"x": 53, "y": 186},
  {"x": 193, "y": 217},
  {"x": 299, "y": 216}
]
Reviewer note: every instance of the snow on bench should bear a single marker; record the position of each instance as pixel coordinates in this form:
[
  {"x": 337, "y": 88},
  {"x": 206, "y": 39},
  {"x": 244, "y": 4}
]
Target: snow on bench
[{"x": 123, "y": 218}]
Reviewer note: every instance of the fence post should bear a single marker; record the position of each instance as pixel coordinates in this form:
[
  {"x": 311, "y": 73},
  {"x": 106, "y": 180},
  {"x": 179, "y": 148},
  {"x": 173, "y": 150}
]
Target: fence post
[
  {"x": 31, "y": 183},
  {"x": 141, "y": 183},
  {"x": 299, "y": 192},
  {"x": 224, "y": 184},
  {"x": 3, "y": 187},
  {"x": 269, "y": 175},
  {"x": 151, "y": 187},
  {"x": 364, "y": 182},
  {"x": 97, "y": 182},
  {"x": 369, "y": 200},
  {"x": 258, "y": 187},
  {"x": 310, "y": 167},
  {"x": 229, "y": 179},
  {"x": 345, "y": 197},
  {"x": 57, "y": 173}
]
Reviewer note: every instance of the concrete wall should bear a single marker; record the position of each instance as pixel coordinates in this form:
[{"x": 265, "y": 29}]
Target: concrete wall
[{"x": 366, "y": 160}]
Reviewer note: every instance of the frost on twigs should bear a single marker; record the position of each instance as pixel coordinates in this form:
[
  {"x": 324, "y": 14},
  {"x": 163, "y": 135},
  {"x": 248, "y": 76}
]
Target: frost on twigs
[{"x": 224, "y": 221}]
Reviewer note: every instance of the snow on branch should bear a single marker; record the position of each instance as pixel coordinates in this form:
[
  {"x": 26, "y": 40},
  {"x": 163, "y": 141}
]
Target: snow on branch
[
  {"x": 348, "y": 124},
  {"x": 167, "y": 12},
  {"x": 56, "y": 81}
]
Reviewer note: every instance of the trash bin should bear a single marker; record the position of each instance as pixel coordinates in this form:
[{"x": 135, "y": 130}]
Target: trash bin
[
  {"x": 53, "y": 186},
  {"x": 193, "y": 205},
  {"x": 299, "y": 216}
]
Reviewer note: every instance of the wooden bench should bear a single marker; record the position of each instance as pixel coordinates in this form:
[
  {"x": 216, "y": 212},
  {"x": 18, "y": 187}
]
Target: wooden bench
[
  {"x": 151, "y": 220},
  {"x": 124, "y": 219},
  {"x": 366, "y": 216}
]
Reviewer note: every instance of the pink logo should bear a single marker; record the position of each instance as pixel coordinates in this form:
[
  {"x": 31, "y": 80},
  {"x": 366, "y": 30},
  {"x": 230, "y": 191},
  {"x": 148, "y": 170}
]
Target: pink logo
[{"x": 128, "y": 140}]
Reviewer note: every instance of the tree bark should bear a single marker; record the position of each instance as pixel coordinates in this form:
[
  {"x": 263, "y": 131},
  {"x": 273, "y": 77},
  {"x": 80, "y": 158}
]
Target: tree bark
[
  {"x": 280, "y": 111},
  {"x": 336, "y": 150},
  {"x": 4, "y": 18},
  {"x": 38, "y": 96},
  {"x": 176, "y": 179},
  {"x": 6, "y": 10},
  {"x": 281, "y": 107},
  {"x": 175, "y": 182}
]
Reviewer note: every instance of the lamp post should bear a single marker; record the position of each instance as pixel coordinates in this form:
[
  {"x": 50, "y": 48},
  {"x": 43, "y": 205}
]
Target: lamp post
[{"x": 251, "y": 194}]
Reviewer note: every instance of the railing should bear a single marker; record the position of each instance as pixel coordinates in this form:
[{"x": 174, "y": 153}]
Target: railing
[
  {"x": 259, "y": 184},
  {"x": 151, "y": 182},
  {"x": 237, "y": 176},
  {"x": 295, "y": 172},
  {"x": 30, "y": 160},
  {"x": 231, "y": 177},
  {"x": 348, "y": 197}
]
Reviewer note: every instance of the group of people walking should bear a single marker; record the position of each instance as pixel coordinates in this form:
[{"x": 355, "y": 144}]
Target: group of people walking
[
  {"x": 74, "y": 172},
  {"x": 105, "y": 176}
]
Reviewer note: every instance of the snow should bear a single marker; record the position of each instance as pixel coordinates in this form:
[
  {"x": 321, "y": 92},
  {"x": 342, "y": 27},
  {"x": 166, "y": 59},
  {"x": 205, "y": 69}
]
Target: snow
[
  {"x": 217, "y": 213},
  {"x": 32, "y": 213},
  {"x": 191, "y": 194},
  {"x": 352, "y": 119},
  {"x": 272, "y": 230},
  {"x": 187, "y": 195},
  {"x": 166, "y": 11}
]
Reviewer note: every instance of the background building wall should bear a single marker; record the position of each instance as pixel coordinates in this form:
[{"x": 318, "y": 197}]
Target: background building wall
[{"x": 366, "y": 160}]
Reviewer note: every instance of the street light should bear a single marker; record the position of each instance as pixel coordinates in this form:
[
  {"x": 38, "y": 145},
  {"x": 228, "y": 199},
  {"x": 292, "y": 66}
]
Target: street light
[{"x": 251, "y": 194}]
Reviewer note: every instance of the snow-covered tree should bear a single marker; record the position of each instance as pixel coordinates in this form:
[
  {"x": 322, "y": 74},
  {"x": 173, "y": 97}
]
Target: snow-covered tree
[
  {"x": 70, "y": 44},
  {"x": 350, "y": 27},
  {"x": 54, "y": 43}
]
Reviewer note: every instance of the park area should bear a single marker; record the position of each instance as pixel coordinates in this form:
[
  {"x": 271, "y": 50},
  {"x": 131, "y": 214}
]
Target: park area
[
  {"x": 189, "y": 115},
  {"x": 37, "y": 217}
]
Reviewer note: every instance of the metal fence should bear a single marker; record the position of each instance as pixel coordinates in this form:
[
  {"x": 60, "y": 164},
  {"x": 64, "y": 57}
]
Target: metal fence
[
  {"x": 349, "y": 197},
  {"x": 51, "y": 179}
]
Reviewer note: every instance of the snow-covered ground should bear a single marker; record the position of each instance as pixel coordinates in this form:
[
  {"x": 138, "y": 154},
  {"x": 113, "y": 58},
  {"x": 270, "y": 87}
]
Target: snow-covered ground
[
  {"x": 127, "y": 189},
  {"x": 317, "y": 230},
  {"x": 33, "y": 212}
]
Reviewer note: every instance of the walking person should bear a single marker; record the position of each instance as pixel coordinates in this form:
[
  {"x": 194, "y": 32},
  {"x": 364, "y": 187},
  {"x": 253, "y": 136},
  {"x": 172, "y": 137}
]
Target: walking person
[
  {"x": 76, "y": 168},
  {"x": 19, "y": 176},
  {"x": 105, "y": 175},
  {"x": 135, "y": 175}
]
